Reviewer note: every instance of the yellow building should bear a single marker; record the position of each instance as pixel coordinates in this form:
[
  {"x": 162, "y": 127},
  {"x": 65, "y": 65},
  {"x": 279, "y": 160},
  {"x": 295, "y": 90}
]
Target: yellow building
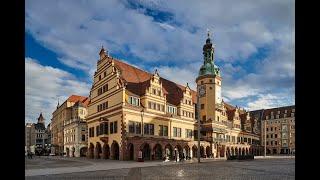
[
  {"x": 76, "y": 130},
  {"x": 133, "y": 113},
  {"x": 60, "y": 115}
]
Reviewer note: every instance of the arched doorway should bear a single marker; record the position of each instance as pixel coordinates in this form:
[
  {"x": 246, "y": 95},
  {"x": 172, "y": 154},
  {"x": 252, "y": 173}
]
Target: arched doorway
[
  {"x": 73, "y": 150},
  {"x": 202, "y": 152},
  {"x": 208, "y": 151},
  {"x": 247, "y": 151},
  {"x": 106, "y": 151},
  {"x": 243, "y": 151},
  {"x": 157, "y": 151},
  {"x": 178, "y": 152},
  {"x": 146, "y": 152},
  {"x": 67, "y": 152},
  {"x": 97, "y": 151},
  {"x": 131, "y": 151},
  {"x": 168, "y": 151},
  {"x": 232, "y": 151},
  {"x": 91, "y": 151},
  {"x": 186, "y": 152},
  {"x": 228, "y": 152},
  {"x": 236, "y": 151},
  {"x": 115, "y": 150},
  {"x": 194, "y": 151},
  {"x": 83, "y": 151}
]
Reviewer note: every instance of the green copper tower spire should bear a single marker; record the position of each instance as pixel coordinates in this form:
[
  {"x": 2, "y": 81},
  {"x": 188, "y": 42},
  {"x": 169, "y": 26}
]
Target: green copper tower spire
[{"x": 208, "y": 67}]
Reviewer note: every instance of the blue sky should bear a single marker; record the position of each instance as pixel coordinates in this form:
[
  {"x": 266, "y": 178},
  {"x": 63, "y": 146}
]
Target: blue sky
[{"x": 254, "y": 46}]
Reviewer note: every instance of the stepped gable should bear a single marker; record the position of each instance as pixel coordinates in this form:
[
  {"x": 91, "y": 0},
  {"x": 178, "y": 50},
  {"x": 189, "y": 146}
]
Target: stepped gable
[{"x": 138, "y": 81}]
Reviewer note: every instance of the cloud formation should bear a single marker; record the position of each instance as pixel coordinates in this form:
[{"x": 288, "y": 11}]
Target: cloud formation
[
  {"x": 169, "y": 35},
  {"x": 44, "y": 85}
]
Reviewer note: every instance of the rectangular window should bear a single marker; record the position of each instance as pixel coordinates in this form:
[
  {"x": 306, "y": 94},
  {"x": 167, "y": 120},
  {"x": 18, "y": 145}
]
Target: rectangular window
[
  {"x": 111, "y": 128},
  {"x": 271, "y": 143},
  {"x": 134, "y": 101},
  {"x": 202, "y": 106},
  {"x": 115, "y": 127},
  {"x": 154, "y": 106},
  {"x": 267, "y": 129},
  {"x": 267, "y": 135},
  {"x": 174, "y": 132},
  {"x": 275, "y": 143},
  {"x": 162, "y": 108},
  {"x": 271, "y": 135},
  {"x": 188, "y": 133},
  {"x": 149, "y": 105},
  {"x": 158, "y": 107},
  {"x": 160, "y": 130},
  {"x": 159, "y": 93},
  {"x": 165, "y": 130},
  {"x": 267, "y": 143},
  {"x": 131, "y": 127},
  {"x": 138, "y": 128},
  {"x": 149, "y": 129},
  {"x": 276, "y": 136},
  {"x": 154, "y": 91},
  {"x": 271, "y": 129},
  {"x": 83, "y": 137},
  {"x": 106, "y": 128},
  {"x": 245, "y": 139},
  {"x": 97, "y": 130},
  {"x": 233, "y": 138}
]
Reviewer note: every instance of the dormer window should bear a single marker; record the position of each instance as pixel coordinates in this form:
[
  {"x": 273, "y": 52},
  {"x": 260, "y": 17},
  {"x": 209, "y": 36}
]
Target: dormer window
[
  {"x": 171, "y": 109},
  {"x": 134, "y": 101},
  {"x": 154, "y": 91}
]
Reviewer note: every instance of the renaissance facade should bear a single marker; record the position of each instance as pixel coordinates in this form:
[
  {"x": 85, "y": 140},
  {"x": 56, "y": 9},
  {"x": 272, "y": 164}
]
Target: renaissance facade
[{"x": 136, "y": 114}]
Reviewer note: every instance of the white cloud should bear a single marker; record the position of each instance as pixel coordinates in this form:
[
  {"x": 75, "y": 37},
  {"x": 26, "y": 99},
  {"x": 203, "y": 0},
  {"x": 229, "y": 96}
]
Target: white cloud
[
  {"x": 44, "y": 85},
  {"x": 75, "y": 30},
  {"x": 265, "y": 101}
]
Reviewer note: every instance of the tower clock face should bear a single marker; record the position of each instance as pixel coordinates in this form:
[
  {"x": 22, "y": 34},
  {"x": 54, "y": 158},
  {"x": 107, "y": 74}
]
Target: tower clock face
[{"x": 202, "y": 90}]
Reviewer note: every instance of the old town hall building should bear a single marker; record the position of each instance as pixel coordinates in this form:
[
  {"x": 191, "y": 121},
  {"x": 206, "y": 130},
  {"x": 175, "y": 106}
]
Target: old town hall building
[{"x": 133, "y": 113}]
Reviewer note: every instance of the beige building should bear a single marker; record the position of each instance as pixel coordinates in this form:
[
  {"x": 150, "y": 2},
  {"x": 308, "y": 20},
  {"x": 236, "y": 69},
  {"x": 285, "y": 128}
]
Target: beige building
[
  {"x": 278, "y": 128},
  {"x": 30, "y": 137},
  {"x": 60, "y": 115},
  {"x": 133, "y": 113},
  {"x": 75, "y": 130}
]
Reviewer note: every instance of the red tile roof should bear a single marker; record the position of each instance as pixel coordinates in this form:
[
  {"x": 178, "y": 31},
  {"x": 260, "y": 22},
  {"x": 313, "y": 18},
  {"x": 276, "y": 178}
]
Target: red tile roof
[
  {"x": 82, "y": 99},
  {"x": 138, "y": 81}
]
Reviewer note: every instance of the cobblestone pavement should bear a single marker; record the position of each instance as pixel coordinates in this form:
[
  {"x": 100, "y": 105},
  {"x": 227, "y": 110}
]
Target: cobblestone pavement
[{"x": 239, "y": 170}]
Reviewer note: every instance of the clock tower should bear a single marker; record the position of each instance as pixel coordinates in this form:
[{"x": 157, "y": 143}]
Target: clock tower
[{"x": 209, "y": 84}]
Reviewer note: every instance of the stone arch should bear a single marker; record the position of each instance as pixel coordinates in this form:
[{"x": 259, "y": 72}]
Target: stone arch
[
  {"x": 115, "y": 150},
  {"x": 194, "y": 151},
  {"x": 146, "y": 151},
  {"x": 208, "y": 151},
  {"x": 130, "y": 151},
  {"x": 168, "y": 151},
  {"x": 106, "y": 151},
  {"x": 202, "y": 152},
  {"x": 157, "y": 151},
  {"x": 247, "y": 151},
  {"x": 97, "y": 151},
  {"x": 228, "y": 151},
  {"x": 186, "y": 151},
  {"x": 73, "y": 150},
  {"x": 232, "y": 151},
  {"x": 243, "y": 151},
  {"x": 67, "y": 152},
  {"x": 91, "y": 151},
  {"x": 236, "y": 151},
  {"x": 83, "y": 151},
  {"x": 178, "y": 151}
]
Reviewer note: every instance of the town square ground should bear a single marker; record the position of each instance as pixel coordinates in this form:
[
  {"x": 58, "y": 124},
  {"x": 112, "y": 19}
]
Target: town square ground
[{"x": 82, "y": 168}]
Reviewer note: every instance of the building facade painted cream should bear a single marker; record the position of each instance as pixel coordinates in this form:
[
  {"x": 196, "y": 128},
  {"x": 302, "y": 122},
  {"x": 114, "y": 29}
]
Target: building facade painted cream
[
  {"x": 75, "y": 131},
  {"x": 59, "y": 116},
  {"x": 133, "y": 114}
]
